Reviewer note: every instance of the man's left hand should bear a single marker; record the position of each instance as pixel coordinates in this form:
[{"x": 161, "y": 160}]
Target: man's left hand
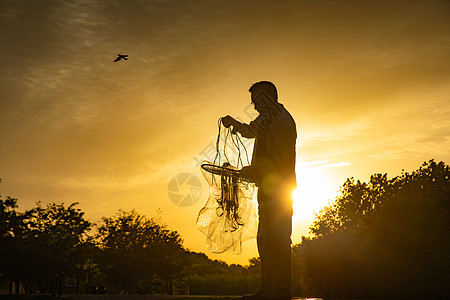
[{"x": 227, "y": 121}]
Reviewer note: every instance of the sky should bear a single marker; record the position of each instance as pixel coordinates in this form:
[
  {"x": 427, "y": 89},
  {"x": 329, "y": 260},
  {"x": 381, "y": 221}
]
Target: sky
[{"x": 367, "y": 82}]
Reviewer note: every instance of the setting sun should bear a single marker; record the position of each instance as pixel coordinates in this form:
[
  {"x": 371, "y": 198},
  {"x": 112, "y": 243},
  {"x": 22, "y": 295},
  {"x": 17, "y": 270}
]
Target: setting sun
[{"x": 315, "y": 188}]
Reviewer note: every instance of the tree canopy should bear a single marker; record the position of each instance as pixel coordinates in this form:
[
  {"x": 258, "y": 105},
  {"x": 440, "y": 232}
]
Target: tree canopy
[
  {"x": 387, "y": 238},
  {"x": 43, "y": 244},
  {"x": 137, "y": 251}
]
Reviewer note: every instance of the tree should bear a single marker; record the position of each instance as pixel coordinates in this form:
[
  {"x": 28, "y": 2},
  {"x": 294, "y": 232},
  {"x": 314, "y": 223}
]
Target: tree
[
  {"x": 215, "y": 277},
  {"x": 54, "y": 238},
  {"x": 384, "y": 238},
  {"x": 412, "y": 233},
  {"x": 355, "y": 205},
  {"x": 11, "y": 229},
  {"x": 137, "y": 252}
]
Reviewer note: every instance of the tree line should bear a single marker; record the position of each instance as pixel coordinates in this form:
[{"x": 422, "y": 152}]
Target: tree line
[
  {"x": 43, "y": 247},
  {"x": 386, "y": 238}
]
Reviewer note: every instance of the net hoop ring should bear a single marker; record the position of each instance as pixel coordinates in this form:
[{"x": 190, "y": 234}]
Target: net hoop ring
[{"x": 223, "y": 171}]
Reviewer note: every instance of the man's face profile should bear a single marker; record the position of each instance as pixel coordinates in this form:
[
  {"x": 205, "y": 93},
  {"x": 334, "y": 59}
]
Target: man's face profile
[{"x": 261, "y": 102}]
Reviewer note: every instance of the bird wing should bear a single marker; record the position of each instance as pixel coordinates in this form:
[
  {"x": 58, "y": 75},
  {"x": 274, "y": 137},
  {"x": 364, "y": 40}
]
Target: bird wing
[{"x": 117, "y": 59}]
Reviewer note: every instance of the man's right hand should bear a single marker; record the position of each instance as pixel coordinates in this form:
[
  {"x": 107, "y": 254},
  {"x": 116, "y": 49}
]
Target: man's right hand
[{"x": 227, "y": 121}]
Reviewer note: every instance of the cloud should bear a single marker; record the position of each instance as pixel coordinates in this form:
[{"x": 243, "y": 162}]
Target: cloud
[
  {"x": 312, "y": 163},
  {"x": 323, "y": 164},
  {"x": 336, "y": 165}
]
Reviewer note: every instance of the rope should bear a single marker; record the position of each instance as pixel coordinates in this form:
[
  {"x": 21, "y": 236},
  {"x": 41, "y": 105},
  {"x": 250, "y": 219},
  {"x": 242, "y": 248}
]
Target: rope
[{"x": 228, "y": 200}]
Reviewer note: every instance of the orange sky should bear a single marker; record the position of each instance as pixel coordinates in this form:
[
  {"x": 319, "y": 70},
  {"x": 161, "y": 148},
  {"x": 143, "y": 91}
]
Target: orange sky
[{"x": 368, "y": 83}]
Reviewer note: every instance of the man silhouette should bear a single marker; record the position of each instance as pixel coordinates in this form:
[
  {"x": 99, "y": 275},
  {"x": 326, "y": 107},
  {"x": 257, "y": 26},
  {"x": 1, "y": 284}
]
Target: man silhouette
[{"x": 273, "y": 170}]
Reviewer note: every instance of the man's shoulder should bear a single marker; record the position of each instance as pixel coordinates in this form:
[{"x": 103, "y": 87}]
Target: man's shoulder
[{"x": 285, "y": 118}]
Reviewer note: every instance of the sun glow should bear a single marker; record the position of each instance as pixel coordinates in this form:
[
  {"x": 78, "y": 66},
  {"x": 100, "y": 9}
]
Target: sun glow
[{"x": 315, "y": 188}]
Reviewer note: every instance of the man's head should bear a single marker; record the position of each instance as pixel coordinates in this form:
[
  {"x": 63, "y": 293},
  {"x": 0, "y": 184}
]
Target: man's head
[
  {"x": 266, "y": 87},
  {"x": 264, "y": 97}
]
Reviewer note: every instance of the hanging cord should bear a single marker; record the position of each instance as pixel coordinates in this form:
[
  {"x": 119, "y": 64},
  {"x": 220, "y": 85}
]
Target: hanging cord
[
  {"x": 228, "y": 200},
  {"x": 225, "y": 143},
  {"x": 243, "y": 147},
  {"x": 236, "y": 142},
  {"x": 219, "y": 122}
]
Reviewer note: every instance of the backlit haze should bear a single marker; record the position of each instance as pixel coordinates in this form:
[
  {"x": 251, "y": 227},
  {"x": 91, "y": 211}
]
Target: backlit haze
[{"x": 368, "y": 83}]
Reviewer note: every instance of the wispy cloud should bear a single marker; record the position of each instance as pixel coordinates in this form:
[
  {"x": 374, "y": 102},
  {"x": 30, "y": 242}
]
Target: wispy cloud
[
  {"x": 323, "y": 164},
  {"x": 336, "y": 165}
]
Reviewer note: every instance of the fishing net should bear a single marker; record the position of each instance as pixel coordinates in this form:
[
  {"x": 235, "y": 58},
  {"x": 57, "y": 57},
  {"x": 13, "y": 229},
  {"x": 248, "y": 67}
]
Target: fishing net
[{"x": 229, "y": 216}]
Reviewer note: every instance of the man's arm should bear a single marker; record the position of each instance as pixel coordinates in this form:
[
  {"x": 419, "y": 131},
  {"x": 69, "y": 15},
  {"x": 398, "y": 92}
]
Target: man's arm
[{"x": 246, "y": 130}]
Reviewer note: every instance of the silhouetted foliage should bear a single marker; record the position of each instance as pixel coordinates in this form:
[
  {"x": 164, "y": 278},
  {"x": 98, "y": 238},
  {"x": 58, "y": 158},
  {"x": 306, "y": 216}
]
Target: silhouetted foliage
[
  {"x": 131, "y": 254},
  {"x": 11, "y": 227},
  {"x": 385, "y": 238},
  {"x": 215, "y": 277},
  {"x": 137, "y": 252},
  {"x": 10, "y": 220},
  {"x": 42, "y": 245},
  {"x": 55, "y": 234},
  {"x": 354, "y": 207}
]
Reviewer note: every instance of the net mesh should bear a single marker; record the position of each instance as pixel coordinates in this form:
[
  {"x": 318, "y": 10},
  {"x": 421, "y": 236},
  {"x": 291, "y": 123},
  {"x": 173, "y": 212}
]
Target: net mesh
[{"x": 229, "y": 216}]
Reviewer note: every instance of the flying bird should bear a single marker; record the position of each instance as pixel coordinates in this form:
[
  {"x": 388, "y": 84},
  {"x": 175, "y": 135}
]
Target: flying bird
[{"x": 121, "y": 56}]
